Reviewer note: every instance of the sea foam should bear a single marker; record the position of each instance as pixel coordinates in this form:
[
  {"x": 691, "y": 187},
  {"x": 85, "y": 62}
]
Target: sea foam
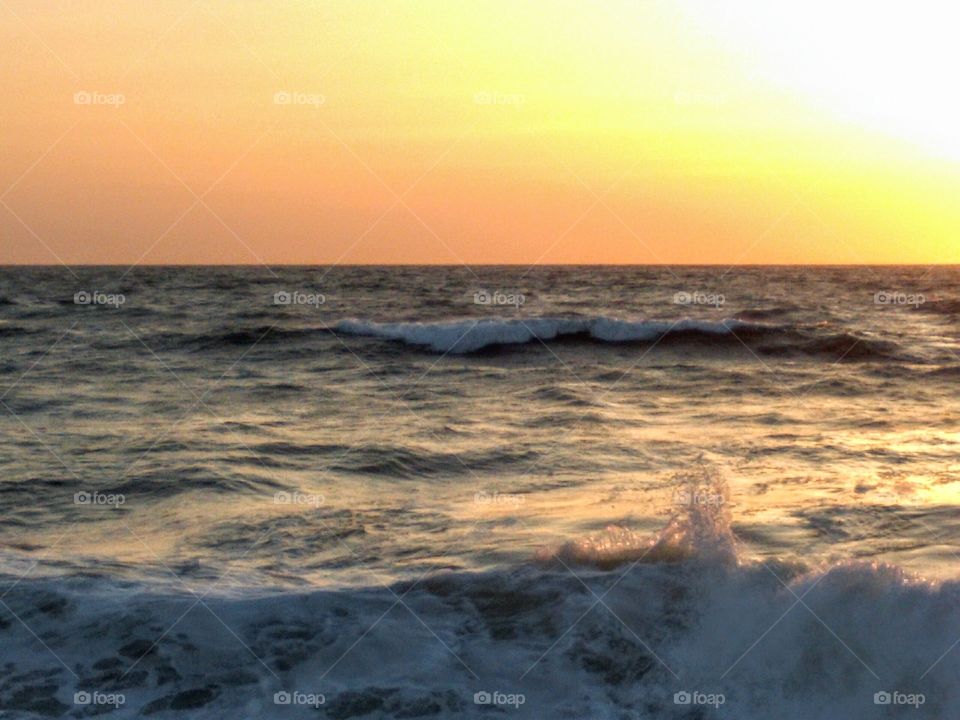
[
  {"x": 465, "y": 336},
  {"x": 614, "y": 625}
]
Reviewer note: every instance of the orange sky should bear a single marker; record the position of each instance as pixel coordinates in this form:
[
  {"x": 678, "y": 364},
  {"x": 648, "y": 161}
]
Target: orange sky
[{"x": 428, "y": 131}]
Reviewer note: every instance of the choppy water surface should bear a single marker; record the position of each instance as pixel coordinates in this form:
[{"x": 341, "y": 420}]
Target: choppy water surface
[{"x": 398, "y": 487}]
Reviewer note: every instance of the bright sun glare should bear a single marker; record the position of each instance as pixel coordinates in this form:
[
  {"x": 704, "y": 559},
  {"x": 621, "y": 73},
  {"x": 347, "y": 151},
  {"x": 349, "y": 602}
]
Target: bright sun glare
[{"x": 888, "y": 67}]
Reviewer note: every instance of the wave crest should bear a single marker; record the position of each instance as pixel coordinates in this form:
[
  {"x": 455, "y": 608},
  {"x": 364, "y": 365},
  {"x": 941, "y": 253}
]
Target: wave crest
[
  {"x": 473, "y": 335},
  {"x": 465, "y": 336}
]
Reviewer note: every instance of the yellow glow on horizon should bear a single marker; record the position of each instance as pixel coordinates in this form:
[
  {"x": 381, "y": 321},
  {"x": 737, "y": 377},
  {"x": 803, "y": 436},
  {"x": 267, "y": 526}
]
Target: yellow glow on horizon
[{"x": 493, "y": 132}]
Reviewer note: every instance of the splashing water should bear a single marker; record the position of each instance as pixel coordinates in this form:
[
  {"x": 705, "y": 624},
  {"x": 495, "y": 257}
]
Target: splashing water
[{"x": 698, "y": 529}]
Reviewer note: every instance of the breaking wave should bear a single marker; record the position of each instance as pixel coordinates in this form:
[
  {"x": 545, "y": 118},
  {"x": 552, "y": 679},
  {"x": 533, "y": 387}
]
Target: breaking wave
[
  {"x": 469, "y": 336},
  {"x": 610, "y": 626}
]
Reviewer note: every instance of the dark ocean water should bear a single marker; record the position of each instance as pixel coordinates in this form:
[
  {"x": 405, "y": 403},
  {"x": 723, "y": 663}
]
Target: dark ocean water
[{"x": 589, "y": 488}]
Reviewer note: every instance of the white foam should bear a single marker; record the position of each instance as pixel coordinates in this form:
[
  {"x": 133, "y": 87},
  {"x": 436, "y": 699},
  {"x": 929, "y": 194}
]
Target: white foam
[
  {"x": 464, "y": 336},
  {"x": 714, "y": 628},
  {"x": 679, "y": 614}
]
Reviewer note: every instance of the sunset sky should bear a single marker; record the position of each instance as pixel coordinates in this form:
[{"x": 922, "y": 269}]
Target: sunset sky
[{"x": 495, "y": 131}]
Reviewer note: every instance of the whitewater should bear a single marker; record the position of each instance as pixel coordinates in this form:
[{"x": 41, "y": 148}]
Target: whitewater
[
  {"x": 374, "y": 492},
  {"x": 605, "y": 626}
]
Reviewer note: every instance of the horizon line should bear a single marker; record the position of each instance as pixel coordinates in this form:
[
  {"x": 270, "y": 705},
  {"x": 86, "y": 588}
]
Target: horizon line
[{"x": 268, "y": 266}]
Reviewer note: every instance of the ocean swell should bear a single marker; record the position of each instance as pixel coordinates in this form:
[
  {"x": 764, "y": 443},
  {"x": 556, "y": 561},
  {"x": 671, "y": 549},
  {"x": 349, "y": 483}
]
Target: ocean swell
[{"x": 465, "y": 336}]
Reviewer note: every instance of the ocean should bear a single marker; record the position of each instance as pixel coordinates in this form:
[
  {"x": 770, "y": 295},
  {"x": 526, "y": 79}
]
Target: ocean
[{"x": 554, "y": 492}]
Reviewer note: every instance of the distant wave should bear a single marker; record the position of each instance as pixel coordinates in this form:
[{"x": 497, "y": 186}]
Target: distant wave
[{"x": 463, "y": 336}]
